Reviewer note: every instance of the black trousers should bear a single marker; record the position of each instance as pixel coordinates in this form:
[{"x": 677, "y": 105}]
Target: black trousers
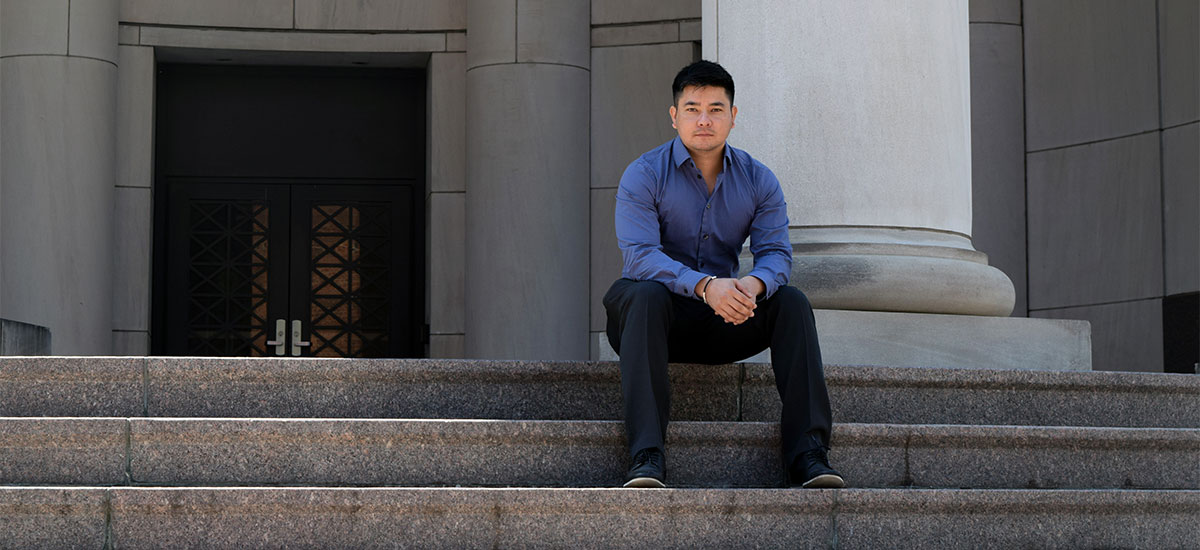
[{"x": 649, "y": 326}]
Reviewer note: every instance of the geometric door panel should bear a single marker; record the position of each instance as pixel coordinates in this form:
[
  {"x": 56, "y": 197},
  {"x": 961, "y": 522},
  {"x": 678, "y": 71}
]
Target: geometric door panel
[
  {"x": 258, "y": 269},
  {"x": 352, "y": 270},
  {"x": 227, "y": 277},
  {"x": 349, "y": 291},
  {"x": 226, "y": 268}
]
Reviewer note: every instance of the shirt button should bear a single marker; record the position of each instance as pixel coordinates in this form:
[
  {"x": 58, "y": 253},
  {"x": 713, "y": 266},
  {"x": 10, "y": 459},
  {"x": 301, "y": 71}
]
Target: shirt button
[
  {"x": 707, "y": 206},
  {"x": 706, "y": 237}
]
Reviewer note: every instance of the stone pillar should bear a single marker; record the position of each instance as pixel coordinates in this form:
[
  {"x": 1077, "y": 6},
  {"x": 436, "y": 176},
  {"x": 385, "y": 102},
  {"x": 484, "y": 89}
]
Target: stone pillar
[
  {"x": 527, "y": 179},
  {"x": 58, "y": 73},
  {"x": 862, "y": 109}
]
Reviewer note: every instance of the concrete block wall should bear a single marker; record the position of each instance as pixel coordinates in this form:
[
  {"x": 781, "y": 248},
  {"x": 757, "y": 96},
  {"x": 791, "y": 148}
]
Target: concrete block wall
[
  {"x": 1095, "y": 217},
  {"x": 133, "y": 199},
  {"x": 446, "y": 209},
  {"x": 637, "y": 47}
]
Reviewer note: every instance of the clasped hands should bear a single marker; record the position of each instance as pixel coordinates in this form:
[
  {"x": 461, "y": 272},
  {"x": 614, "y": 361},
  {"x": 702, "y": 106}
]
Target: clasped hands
[{"x": 733, "y": 299}]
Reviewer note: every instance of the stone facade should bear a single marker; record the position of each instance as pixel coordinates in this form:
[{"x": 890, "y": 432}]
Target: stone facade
[
  {"x": 1084, "y": 197},
  {"x": 1061, "y": 147}
]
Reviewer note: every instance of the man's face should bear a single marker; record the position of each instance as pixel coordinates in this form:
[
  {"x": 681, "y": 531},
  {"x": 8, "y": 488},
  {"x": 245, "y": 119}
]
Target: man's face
[{"x": 703, "y": 117}]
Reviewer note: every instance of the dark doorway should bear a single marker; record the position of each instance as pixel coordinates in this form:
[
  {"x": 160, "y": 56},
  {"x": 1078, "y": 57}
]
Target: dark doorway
[{"x": 288, "y": 218}]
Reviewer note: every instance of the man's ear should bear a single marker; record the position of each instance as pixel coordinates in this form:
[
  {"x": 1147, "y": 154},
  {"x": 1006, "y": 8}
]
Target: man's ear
[
  {"x": 673, "y": 111},
  {"x": 733, "y": 116}
]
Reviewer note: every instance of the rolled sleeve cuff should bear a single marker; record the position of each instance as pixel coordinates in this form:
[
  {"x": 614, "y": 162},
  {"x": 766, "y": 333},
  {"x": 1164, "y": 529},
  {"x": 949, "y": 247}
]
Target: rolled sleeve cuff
[{"x": 687, "y": 283}]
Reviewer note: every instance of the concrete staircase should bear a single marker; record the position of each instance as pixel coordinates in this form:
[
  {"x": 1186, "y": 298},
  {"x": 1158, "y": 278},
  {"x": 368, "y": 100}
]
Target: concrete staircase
[{"x": 212, "y": 453}]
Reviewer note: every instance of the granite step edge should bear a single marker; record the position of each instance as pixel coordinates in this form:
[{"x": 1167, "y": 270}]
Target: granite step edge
[
  {"x": 191, "y": 451},
  {"x": 257, "y": 517},
  {"x": 327, "y": 369},
  {"x": 427, "y": 388}
]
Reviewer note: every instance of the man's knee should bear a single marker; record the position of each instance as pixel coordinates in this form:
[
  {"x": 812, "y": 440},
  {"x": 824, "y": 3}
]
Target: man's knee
[
  {"x": 650, "y": 294},
  {"x": 792, "y": 298}
]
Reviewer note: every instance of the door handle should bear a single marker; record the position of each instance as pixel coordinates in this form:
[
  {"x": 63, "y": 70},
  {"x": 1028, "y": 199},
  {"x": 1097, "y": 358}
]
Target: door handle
[
  {"x": 297, "y": 343},
  {"x": 280, "y": 335}
]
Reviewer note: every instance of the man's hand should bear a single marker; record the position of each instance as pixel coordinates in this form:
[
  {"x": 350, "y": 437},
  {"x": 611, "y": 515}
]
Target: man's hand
[
  {"x": 754, "y": 285},
  {"x": 733, "y": 299}
]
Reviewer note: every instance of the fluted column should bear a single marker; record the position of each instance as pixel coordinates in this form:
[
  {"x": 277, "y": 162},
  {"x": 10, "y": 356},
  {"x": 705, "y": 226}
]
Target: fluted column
[
  {"x": 862, "y": 108},
  {"x": 58, "y": 73},
  {"x": 527, "y": 179}
]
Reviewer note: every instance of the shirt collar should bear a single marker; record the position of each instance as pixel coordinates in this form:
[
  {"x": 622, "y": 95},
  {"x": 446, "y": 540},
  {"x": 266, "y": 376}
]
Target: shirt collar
[{"x": 680, "y": 155}]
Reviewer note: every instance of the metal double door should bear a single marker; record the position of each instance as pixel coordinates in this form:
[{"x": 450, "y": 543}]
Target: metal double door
[{"x": 289, "y": 269}]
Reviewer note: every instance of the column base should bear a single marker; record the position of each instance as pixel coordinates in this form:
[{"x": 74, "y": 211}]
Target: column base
[
  {"x": 890, "y": 269},
  {"x": 887, "y": 339}
]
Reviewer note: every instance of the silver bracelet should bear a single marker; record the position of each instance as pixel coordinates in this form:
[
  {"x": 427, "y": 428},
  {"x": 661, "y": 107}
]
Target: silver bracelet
[{"x": 704, "y": 291}]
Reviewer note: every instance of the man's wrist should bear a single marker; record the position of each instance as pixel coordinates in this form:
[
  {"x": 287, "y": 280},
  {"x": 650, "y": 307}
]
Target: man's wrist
[
  {"x": 762, "y": 286},
  {"x": 704, "y": 287},
  {"x": 754, "y": 285}
]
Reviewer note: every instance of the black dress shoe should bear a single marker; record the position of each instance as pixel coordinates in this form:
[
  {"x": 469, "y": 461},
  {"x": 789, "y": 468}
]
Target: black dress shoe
[
  {"x": 648, "y": 469},
  {"x": 811, "y": 470}
]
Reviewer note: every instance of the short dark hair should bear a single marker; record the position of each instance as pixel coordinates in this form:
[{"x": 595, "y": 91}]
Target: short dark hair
[{"x": 702, "y": 73}]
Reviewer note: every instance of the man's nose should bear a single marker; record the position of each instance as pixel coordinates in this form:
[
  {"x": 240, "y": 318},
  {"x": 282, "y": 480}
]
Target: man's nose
[{"x": 704, "y": 120}]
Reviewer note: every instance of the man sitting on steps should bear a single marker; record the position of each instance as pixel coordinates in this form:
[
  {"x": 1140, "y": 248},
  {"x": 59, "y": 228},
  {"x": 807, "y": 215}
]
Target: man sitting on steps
[{"x": 683, "y": 211}]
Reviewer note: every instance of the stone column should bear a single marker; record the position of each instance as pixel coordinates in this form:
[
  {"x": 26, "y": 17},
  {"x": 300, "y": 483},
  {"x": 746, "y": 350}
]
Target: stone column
[
  {"x": 862, "y": 108},
  {"x": 527, "y": 179},
  {"x": 58, "y": 73}
]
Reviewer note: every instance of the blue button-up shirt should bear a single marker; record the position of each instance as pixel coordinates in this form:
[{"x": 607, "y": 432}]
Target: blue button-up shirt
[{"x": 670, "y": 230}]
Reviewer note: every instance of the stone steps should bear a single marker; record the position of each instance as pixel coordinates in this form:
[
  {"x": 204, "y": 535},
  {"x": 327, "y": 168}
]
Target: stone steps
[
  {"x": 426, "y": 388},
  {"x": 307, "y": 517},
  {"x": 268, "y": 453},
  {"x": 525, "y": 453}
]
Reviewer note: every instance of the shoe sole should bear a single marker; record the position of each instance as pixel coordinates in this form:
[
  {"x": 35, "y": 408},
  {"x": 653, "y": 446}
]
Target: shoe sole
[
  {"x": 645, "y": 483},
  {"x": 826, "y": 481}
]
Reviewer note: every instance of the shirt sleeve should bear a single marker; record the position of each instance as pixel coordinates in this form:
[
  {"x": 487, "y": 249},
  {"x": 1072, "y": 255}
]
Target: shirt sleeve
[
  {"x": 769, "y": 236},
  {"x": 639, "y": 235}
]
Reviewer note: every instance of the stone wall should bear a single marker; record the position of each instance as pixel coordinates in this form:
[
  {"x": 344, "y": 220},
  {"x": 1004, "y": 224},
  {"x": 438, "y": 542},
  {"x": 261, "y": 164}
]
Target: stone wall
[{"x": 1096, "y": 218}]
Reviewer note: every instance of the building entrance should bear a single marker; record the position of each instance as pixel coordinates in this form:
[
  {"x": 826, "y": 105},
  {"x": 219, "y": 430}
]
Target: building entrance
[{"x": 288, "y": 213}]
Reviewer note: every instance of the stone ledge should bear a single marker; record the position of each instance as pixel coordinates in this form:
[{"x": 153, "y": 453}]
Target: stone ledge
[
  {"x": 627, "y": 35},
  {"x": 71, "y": 386},
  {"x": 63, "y": 451},
  {"x": 376, "y": 517},
  {"x": 890, "y": 339},
  {"x": 297, "y": 41},
  {"x": 424, "y": 388},
  {"x": 1016, "y": 518},
  {"x": 615, "y": 518},
  {"x": 420, "y": 388},
  {"x": 324, "y": 452},
  {"x": 53, "y": 517},
  {"x": 700, "y": 454},
  {"x": 17, "y": 338},
  {"x": 1009, "y": 397},
  {"x": 607, "y": 12}
]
